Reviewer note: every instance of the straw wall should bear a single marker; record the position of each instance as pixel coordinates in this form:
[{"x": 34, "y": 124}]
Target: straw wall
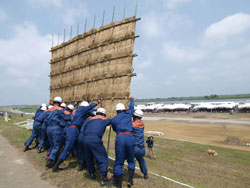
[{"x": 95, "y": 65}]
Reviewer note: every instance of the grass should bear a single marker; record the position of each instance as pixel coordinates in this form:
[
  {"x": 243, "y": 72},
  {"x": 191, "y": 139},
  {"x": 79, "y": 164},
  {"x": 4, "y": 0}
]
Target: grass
[{"x": 182, "y": 161}]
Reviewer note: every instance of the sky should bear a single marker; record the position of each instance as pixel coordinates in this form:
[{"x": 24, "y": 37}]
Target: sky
[{"x": 186, "y": 47}]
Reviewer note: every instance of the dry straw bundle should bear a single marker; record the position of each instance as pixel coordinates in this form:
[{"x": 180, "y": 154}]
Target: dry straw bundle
[{"x": 95, "y": 65}]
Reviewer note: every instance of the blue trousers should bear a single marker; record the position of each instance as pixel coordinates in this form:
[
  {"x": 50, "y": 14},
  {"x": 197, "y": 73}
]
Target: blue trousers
[
  {"x": 44, "y": 138},
  {"x": 36, "y": 132},
  {"x": 124, "y": 149},
  {"x": 81, "y": 151},
  {"x": 71, "y": 142},
  {"x": 94, "y": 149},
  {"x": 139, "y": 154},
  {"x": 55, "y": 139}
]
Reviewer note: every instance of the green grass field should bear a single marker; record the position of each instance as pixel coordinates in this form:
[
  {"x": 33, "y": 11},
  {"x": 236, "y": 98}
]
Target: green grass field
[{"x": 182, "y": 161}]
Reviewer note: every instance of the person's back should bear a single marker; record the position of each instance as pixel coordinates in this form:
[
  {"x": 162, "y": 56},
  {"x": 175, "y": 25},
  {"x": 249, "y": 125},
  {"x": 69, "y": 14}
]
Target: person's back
[
  {"x": 138, "y": 133},
  {"x": 124, "y": 145}
]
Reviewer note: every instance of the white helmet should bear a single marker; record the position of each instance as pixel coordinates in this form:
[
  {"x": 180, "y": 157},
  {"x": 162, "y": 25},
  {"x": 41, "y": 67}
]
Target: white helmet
[
  {"x": 50, "y": 106},
  {"x": 84, "y": 103},
  {"x": 58, "y": 99},
  {"x": 43, "y": 104},
  {"x": 63, "y": 105},
  {"x": 101, "y": 110},
  {"x": 138, "y": 113},
  {"x": 71, "y": 107},
  {"x": 43, "y": 108},
  {"x": 120, "y": 106}
]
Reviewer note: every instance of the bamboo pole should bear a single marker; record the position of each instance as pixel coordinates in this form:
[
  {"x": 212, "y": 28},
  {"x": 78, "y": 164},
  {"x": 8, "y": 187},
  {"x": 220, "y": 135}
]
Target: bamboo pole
[
  {"x": 103, "y": 16},
  {"x": 109, "y": 135},
  {"x": 124, "y": 11},
  {"x": 64, "y": 35},
  {"x": 136, "y": 7},
  {"x": 113, "y": 17},
  {"x": 71, "y": 32},
  {"x": 77, "y": 32},
  {"x": 85, "y": 27},
  {"x": 52, "y": 40},
  {"x": 94, "y": 21},
  {"x": 58, "y": 38}
]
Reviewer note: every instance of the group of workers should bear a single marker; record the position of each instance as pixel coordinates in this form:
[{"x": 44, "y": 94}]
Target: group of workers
[{"x": 80, "y": 130}]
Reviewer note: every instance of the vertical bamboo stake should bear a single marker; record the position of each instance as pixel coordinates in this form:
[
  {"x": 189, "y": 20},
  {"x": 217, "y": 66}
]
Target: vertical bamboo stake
[
  {"x": 64, "y": 35},
  {"x": 85, "y": 27},
  {"x": 113, "y": 14},
  {"x": 103, "y": 16},
  {"x": 58, "y": 38},
  {"x": 94, "y": 21},
  {"x": 124, "y": 11},
  {"x": 71, "y": 32},
  {"x": 52, "y": 40},
  {"x": 77, "y": 28},
  {"x": 136, "y": 7}
]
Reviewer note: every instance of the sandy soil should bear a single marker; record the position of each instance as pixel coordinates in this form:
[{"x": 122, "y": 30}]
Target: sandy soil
[{"x": 203, "y": 132}]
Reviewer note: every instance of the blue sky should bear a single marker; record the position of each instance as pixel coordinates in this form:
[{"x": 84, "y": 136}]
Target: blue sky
[{"x": 186, "y": 47}]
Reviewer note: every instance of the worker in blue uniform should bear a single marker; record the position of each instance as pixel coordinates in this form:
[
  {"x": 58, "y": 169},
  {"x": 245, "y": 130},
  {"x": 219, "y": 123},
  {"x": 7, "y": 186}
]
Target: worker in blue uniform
[
  {"x": 36, "y": 131},
  {"x": 54, "y": 130},
  {"x": 73, "y": 131},
  {"x": 80, "y": 150},
  {"x": 93, "y": 129},
  {"x": 67, "y": 116},
  {"x": 138, "y": 133},
  {"x": 124, "y": 144}
]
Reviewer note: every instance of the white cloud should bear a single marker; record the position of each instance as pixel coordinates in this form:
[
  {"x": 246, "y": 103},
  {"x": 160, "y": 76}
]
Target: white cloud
[
  {"x": 24, "y": 64},
  {"x": 175, "y": 52},
  {"x": 3, "y": 16},
  {"x": 234, "y": 25}
]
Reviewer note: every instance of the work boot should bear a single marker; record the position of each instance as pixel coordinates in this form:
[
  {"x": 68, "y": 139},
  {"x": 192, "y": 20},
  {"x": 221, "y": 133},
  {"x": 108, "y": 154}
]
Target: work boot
[
  {"x": 104, "y": 180},
  {"x": 26, "y": 148},
  {"x": 56, "y": 166},
  {"x": 145, "y": 176},
  {"x": 39, "y": 150},
  {"x": 82, "y": 165},
  {"x": 117, "y": 181},
  {"x": 92, "y": 176},
  {"x": 50, "y": 163},
  {"x": 130, "y": 177}
]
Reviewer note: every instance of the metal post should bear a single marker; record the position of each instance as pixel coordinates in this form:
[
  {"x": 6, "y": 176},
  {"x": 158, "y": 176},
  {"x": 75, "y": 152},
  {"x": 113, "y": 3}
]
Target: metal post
[
  {"x": 77, "y": 28},
  {"x": 103, "y": 16},
  {"x": 85, "y": 27},
  {"x": 64, "y": 35},
  {"x": 113, "y": 14},
  {"x": 94, "y": 21},
  {"x": 136, "y": 7},
  {"x": 124, "y": 11},
  {"x": 71, "y": 32}
]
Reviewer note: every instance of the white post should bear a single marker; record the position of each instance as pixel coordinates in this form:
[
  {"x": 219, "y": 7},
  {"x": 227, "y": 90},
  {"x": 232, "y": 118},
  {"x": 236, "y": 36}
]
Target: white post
[{"x": 6, "y": 117}]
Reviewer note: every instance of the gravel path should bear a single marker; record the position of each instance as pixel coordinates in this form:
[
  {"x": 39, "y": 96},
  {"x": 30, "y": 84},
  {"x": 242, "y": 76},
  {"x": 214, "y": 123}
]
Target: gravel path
[{"x": 15, "y": 171}]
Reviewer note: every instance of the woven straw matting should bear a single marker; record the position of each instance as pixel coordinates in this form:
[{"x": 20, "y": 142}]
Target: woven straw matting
[{"x": 95, "y": 65}]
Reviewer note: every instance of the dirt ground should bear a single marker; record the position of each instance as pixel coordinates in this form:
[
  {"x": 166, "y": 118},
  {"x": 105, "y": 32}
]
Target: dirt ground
[{"x": 203, "y": 132}]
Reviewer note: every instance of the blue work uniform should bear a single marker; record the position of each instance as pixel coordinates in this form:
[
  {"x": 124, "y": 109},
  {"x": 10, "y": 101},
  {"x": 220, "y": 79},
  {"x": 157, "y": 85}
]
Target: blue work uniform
[
  {"x": 54, "y": 130},
  {"x": 36, "y": 131},
  {"x": 93, "y": 130},
  {"x": 124, "y": 145},
  {"x": 73, "y": 130},
  {"x": 138, "y": 133},
  {"x": 44, "y": 137}
]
